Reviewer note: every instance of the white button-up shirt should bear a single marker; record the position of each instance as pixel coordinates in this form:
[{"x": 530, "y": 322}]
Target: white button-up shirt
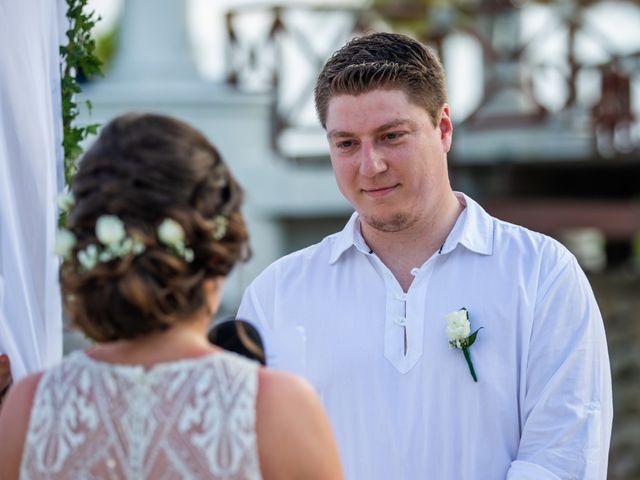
[{"x": 402, "y": 403}]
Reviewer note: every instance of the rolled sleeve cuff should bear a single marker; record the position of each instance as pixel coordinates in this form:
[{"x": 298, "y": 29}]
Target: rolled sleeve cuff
[{"x": 521, "y": 470}]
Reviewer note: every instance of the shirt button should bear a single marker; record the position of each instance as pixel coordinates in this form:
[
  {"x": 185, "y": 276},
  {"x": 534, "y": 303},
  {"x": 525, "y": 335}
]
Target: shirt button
[
  {"x": 400, "y": 322},
  {"x": 415, "y": 271},
  {"x": 402, "y": 297}
]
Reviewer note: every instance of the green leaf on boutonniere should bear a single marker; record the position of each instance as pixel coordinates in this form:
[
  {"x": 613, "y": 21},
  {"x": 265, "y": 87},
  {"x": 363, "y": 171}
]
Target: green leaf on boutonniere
[{"x": 472, "y": 337}]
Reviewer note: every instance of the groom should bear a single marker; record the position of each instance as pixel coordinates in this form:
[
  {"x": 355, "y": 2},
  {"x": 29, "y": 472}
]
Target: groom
[{"x": 362, "y": 313}]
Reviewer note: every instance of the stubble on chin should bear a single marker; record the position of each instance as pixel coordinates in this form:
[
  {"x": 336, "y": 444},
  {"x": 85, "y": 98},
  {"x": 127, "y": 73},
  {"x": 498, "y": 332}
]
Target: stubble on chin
[{"x": 393, "y": 223}]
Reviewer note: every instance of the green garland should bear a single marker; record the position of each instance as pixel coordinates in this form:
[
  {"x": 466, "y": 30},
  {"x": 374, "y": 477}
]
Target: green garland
[{"x": 77, "y": 59}]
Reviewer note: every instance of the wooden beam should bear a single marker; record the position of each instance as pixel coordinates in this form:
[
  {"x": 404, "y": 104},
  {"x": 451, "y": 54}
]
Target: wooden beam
[{"x": 617, "y": 219}]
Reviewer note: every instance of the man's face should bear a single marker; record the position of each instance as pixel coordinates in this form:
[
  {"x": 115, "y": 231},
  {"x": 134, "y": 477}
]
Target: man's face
[{"x": 388, "y": 158}]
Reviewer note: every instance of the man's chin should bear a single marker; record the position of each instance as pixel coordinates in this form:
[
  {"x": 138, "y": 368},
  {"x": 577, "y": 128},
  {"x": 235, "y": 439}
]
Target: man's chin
[{"x": 390, "y": 223}]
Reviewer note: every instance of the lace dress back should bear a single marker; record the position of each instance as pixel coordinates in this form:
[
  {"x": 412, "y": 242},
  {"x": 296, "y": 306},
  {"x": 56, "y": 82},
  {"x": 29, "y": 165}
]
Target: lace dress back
[{"x": 190, "y": 419}]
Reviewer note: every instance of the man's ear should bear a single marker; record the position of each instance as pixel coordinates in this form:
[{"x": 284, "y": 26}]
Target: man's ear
[{"x": 446, "y": 128}]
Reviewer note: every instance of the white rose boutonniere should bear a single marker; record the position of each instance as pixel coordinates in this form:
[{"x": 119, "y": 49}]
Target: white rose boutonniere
[{"x": 458, "y": 332}]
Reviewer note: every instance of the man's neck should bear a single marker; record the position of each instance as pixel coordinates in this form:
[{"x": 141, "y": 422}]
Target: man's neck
[{"x": 404, "y": 250}]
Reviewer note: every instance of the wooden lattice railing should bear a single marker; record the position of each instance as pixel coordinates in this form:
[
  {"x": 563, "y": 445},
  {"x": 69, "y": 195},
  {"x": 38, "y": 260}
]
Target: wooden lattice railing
[{"x": 281, "y": 48}]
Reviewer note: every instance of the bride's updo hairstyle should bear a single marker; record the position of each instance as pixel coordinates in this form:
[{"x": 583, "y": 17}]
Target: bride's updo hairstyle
[{"x": 143, "y": 170}]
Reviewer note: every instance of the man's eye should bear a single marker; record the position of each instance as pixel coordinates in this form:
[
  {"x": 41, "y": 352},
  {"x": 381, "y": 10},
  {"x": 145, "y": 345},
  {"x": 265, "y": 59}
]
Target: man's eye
[
  {"x": 344, "y": 144},
  {"x": 392, "y": 135}
]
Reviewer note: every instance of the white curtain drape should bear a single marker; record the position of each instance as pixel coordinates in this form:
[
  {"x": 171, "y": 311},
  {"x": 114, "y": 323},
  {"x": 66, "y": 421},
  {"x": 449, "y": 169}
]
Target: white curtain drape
[{"x": 30, "y": 177}]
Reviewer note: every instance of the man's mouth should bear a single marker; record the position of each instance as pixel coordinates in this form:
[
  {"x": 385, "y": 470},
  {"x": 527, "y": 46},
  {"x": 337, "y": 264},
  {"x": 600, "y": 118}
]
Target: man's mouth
[{"x": 379, "y": 192}]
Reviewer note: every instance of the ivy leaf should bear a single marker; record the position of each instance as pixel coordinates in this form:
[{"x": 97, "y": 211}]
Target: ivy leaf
[
  {"x": 77, "y": 57},
  {"x": 93, "y": 128}
]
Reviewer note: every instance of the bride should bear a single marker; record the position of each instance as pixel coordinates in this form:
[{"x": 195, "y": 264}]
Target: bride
[{"x": 155, "y": 229}]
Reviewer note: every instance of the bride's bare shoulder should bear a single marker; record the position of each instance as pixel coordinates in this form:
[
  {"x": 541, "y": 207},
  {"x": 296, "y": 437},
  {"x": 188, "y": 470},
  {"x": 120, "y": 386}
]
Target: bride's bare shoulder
[
  {"x": 14, "y": 422},
  {"x": 275, "y": 387},
  {"x": 294, "y": 436}
]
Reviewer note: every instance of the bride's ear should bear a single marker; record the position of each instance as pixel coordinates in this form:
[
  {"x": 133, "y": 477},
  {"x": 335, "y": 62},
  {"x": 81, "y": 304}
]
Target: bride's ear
[{"x": 212, "y": 293}]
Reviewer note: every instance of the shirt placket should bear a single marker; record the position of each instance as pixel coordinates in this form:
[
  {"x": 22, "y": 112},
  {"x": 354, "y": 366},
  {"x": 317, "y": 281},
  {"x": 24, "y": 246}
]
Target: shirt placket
[{"x": 404, "y": 316}]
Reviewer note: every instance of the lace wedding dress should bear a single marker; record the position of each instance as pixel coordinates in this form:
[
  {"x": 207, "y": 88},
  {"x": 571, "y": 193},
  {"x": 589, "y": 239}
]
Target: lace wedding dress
[{"x": 190, "y": 419}]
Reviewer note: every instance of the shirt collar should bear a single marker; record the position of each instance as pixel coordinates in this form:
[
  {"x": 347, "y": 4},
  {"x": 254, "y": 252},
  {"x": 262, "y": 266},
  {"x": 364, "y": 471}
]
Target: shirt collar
[
  {"x": 473, "y": 230},
  {"x": 346, "y": 238}
]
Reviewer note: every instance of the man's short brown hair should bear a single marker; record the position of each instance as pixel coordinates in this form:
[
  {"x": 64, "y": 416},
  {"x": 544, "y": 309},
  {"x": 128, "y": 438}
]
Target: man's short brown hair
[{"x": 383, "y": 61}]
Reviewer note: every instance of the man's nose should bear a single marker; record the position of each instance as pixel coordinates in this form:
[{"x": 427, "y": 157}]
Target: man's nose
[{"x": 372, "y": 161}]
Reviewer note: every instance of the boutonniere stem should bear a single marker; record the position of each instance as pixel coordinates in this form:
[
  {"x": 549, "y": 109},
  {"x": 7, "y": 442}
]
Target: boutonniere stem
[
  {"x": 458, "y": 331},
  {"x": 467, "y": 357}
]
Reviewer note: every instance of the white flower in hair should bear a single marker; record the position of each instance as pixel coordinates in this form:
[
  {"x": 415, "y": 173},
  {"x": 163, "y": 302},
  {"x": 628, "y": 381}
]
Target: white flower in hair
[
  {"x": 65, "y": 201},
  {"x": 172, "y": 235},
  {"x": 138, "y": 247},
  {"x": 65, "y": 241},
  {"x": 113, "y": 243},
  {"x": 110, "y": 230},
  {"x": 170, "y": 232},
  {"x": 88, "y": 257},
  {"x": 220, "y": 227}
]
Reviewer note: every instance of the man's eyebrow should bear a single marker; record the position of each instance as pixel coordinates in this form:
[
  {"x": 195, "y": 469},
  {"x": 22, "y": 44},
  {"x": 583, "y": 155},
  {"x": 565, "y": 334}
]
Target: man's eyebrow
[
  {"x": 393, "y": 124},
  {"x": 338, "y": 134},
  {"x": 386, "y": 126}
]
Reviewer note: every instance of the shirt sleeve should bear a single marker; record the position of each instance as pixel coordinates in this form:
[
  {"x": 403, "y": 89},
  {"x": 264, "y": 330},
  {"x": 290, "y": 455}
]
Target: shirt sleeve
[
  {"x": 251, "y": 311},
  {"x": 567, "y": 410},
  {"x": 284, "y": 340}
]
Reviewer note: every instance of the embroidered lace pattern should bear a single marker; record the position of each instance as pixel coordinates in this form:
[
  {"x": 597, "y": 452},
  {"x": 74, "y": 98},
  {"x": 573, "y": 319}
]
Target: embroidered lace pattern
[{"x": 190, "y": 419}]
